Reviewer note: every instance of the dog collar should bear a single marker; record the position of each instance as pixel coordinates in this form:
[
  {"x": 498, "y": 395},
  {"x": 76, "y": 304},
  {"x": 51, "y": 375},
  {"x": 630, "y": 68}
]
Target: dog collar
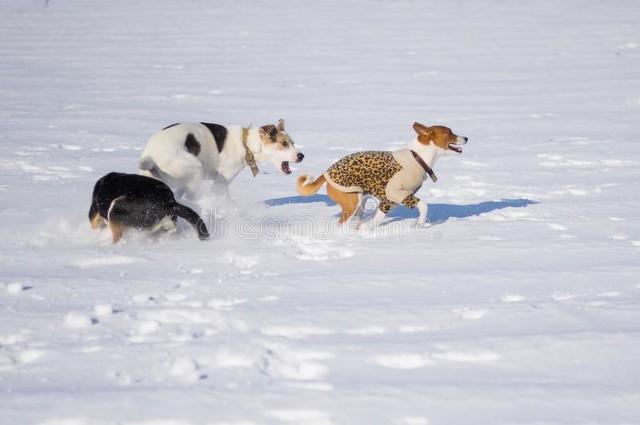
[
  {"x": 248, "y": 156},
  {"x": 425, "y": 166}
]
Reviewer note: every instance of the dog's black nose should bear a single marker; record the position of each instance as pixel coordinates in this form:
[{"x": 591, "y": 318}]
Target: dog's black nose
[{"x": 300, "y": 157}]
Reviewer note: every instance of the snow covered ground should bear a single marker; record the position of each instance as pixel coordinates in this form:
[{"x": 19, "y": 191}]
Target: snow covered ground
[{"x": 519, "y": 306}]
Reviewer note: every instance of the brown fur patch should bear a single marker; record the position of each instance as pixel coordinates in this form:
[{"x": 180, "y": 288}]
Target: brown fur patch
[
  {"x": 117, "y": 230},
  {"x": 97, "y": 221},
  {"x": 440, "y": 135},
  {"x": 307, "y": 189},
  {"x": 275, "y": 136},
  {"x": 348, "y": 201}
]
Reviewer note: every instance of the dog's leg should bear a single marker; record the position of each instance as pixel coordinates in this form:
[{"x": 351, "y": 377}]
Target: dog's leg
[
  {"x": 191, "y": 190},
  {"x": 358, "y": 212},
  {"x": 97, "y": 221},
  {"x": 117, "y": 229},
  {"x": 423, "y": 209},
  {"x": 412, "y": 201},
  {"x": 374, "y": 222},
  {"x": 349, "y": 202},
  {"x": 221, "y": 188},
  {"x": 378, "y": 218},
  {"x": 383, "y": 209}
]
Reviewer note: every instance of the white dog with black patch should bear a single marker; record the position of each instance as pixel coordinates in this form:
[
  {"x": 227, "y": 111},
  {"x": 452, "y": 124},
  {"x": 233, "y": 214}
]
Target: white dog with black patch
[{"x": 184, "y": 154}]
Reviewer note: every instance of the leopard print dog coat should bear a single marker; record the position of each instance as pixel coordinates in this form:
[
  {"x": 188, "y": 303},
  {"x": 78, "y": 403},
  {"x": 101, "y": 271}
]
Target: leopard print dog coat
[{"x": 392, "y": 177}]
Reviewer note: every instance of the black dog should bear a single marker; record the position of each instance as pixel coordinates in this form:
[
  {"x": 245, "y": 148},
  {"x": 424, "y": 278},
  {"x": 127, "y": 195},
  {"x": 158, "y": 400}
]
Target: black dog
[{"x": 130, "y": 200}]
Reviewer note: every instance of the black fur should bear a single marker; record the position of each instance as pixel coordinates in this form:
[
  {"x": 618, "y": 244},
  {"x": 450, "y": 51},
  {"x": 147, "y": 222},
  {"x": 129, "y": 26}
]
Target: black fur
[
  {"x": 142, "y": 202},
  {"x": 219, "y": 133},
  {"x": 192, "y": 145},
  {"x": 172, "y": 125}
]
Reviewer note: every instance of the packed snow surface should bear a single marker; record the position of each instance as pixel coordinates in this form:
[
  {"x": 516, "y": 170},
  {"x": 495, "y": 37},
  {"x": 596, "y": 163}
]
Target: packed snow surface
[{"x": 518, "y": 305}]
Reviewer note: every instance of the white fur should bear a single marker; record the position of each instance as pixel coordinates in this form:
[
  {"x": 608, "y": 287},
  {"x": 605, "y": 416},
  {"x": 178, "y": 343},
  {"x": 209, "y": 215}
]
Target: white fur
[
  {"x": 183, "y": 171},
  {"x": 423, "y": 208},
  {"x": 113, "y": 203},
  {"x": 166, "y": 224}
]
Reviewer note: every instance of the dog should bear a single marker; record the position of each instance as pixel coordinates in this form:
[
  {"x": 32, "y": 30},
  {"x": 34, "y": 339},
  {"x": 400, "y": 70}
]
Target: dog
[
  {"x": 131, "y": 200},
  {"x": 184, "y": 154},
  {"x": 391, "y": 177}
]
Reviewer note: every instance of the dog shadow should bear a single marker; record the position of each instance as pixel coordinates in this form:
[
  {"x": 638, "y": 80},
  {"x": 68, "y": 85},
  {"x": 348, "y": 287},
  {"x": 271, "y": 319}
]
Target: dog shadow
[
  {"x": 438, "y": 213},
  {"x": 275, "y": 202}
]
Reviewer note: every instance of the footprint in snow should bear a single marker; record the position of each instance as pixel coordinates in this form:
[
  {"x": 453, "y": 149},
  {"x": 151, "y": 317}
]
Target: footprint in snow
[
  {"x": 563, "y": 296},
  {"x": 91, "y": 349},
  {"x": 402, "y": 360},
  {"x": 244, "y": 263},
  {"x": 295, "y": 332},
  {"x": 186, "y": 369},
  {"x": 12, "y": 359},
  {"x": 369, "y": 330},
  {"x": 299, "y": 365},
  {"x": 473, "y": 356},
  {"x": 609, "y": 294},
  {"x": 313, "y": 386},
  {"x": 79, "y": 320},
  {"x": 89, "y": 263},
  {"x": 103, "y": 310},
  {"x": 410, "y": 420},
  {"x": 174, "y": 297},
  {"x": 467, "y": 313},
  {"x": 143, "y": 299},
  {"x": 227, "y": 359},
  {"x": 300, "y": 416},
  {"x": 15, "y": 288},
  {"x": 318, "y": 249},
  {"x": 512, "y": 298},
  {"x": 619, "y": 237},
  {"x": 225, "y": 303}
]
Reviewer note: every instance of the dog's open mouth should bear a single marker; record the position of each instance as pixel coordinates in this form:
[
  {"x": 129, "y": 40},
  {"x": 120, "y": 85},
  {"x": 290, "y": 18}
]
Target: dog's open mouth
[
  {"x": 285, "y": 167},
  {"x": 455, "y": 148}
]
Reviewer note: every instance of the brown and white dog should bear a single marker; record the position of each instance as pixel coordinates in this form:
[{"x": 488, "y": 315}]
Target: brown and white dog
[
  {"x": 391, "y": 177},
  {"x": 182, "y": 155}
]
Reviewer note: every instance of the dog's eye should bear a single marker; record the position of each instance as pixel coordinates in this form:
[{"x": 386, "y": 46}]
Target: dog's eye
[{"x": 285, "y": 143}]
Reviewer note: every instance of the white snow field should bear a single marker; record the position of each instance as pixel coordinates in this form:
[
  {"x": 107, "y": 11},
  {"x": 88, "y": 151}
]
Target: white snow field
[{"x": 519, "y": 305}]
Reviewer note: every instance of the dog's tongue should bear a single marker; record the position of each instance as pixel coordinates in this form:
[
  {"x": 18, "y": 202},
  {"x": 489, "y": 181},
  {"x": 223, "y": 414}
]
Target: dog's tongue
[
  {"x": 455, "y": 148},
  {"x": 285, "y": 167}
]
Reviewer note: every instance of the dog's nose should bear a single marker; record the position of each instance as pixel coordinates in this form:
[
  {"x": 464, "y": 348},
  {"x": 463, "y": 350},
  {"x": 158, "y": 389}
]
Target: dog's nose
[{"x": 300, "y": 157}]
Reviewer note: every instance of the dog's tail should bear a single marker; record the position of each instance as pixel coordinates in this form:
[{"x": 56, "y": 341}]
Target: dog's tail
[
  {"x": 148, "y": 164},
  {"x": 193, "y": 218},
  {"x": 306, "y": 187}
]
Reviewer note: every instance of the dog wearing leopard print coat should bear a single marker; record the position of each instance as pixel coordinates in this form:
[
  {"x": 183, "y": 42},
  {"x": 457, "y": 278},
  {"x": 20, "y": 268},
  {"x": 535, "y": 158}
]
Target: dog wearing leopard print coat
[{"x": 391, "y": 177}]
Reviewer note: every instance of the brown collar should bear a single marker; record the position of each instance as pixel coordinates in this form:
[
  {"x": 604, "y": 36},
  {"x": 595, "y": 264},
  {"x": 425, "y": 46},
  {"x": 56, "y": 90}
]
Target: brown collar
[
  {"x": 248, "y": 156},
  {"x": 425, "y": 166}
]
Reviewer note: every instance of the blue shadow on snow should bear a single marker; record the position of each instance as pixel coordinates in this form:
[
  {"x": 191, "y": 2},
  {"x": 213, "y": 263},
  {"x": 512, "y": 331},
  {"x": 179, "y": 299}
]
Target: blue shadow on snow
[{"x": 437, "y": 212}]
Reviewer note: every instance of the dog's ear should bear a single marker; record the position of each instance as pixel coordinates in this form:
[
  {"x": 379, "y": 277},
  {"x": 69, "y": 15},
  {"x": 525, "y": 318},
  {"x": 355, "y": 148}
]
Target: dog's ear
[
  {"x": 268, "y": 131},
  {"x": 280, "y": 125},
  {"x": 422, "y": 129}
]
